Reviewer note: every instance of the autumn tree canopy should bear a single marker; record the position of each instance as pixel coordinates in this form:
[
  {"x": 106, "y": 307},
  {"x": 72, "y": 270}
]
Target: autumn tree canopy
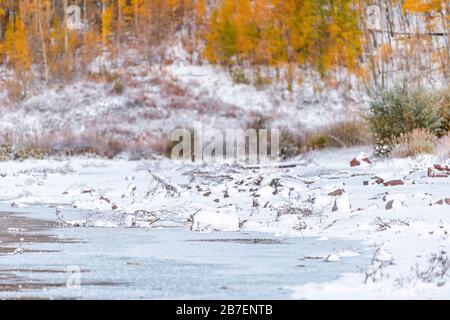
[{"x": 325, "y": 35}]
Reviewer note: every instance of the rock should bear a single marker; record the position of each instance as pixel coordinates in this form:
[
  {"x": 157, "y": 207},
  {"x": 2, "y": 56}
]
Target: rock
[
  {"x": 441, "y": 202},
  {"x": 337, "y": 192},
  {"x": 275, "y": 183},
  {"x": 342, "y": 204},
  {"x": 355, "y": 163},
  {"x": 436, "y": 173},
  {"x": 87, "y": 190},
  {"x": 131, "y": 187},
  {"x": 362, "y": 159},
  {"x": 441, "y": 167},
  {"x": 393, "y": 183},
  {"x": 394, "y": 204},
  {"x": 105, "y": 199},
  {"x": 366, "y": 183},
  {"x": 378, "y": 180}
]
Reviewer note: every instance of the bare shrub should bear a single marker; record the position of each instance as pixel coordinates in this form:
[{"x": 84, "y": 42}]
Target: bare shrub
[
  {"x": 375, "y": 272},
  {"x": 113, "y": 148},
  {"x": 239, "y": 76},
  {"x": 435, "y": 272},
  {"x": 16, "y": 91},
  {"x": 290, "y": 143},
  {"x": 315, "y": 141},
  {"x": 419, "y": 141},
  {"x": 438, "y": 266},
  {"x": 97, "y": 143},
  {"x": 292, "y": 209},
  {"x": 146, "y": 145},
  {"x": 33, "y": 151},
  {"x": 339, "y": 135},
  {"x": 170, "y": 89},
  {"x": 118, "y": 87},
  {"x": 348, "y": 133},
  {"x": 6, "y": 146},
  {"x": 383, "y": 225},
  {"x": 104, "y": 75}
]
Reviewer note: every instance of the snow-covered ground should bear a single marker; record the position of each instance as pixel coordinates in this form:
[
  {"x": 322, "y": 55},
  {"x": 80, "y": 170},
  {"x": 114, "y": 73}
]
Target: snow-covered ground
[{"x": 397, "y": 208}]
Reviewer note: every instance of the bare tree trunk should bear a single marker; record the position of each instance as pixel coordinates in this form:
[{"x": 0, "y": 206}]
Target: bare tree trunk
[
  {"x": 43, "y": 45},
  {"x": 66, "y": 35}
]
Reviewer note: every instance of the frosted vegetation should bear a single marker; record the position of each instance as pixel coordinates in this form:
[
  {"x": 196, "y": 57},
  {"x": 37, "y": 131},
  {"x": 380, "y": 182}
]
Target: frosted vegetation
[{"x": 360, "y": 95}]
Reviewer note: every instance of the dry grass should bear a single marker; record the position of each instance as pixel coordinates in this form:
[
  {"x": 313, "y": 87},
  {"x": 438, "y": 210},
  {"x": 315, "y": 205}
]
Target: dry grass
[
  {"x": 15, "y": 90},
  {"x": 419, "y": 141},
  {"x": 348, "y": 133},
  {"x": 443, "y": 147},
  {"x": 169, "y": 89},
  {"x": 339, "y": 135},
  {"x": 62, "y": 142}
]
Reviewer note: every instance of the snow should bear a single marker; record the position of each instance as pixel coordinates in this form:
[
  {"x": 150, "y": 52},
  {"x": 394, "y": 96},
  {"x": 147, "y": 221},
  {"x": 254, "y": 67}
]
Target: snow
[
  {"x": 411, "y": 239},
  {"x": 214, "y": 221}
]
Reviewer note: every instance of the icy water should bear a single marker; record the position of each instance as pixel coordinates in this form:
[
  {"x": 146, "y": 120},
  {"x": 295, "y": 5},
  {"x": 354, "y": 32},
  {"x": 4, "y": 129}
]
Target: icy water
[{"x": 167, "y": 263}]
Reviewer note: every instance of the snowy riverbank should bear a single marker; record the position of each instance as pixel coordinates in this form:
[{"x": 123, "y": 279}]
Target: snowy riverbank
[{"x": 395, "y": 207}]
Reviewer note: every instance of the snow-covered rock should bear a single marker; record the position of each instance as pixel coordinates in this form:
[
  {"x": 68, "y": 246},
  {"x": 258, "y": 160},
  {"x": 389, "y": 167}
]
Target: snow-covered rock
[
  {"x": 342, "y": 204},
  {"x": 214, "y": 221},
  {"x": 394, "y": 204},
  {"x": 333, "y": 258}
]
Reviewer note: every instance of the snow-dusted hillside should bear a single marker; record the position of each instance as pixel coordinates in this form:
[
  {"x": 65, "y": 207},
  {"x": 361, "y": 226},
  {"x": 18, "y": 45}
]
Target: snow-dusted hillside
[{"x": 138, "y": 106}]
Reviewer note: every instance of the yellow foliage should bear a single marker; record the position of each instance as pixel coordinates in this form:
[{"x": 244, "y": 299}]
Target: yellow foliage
[
  {"x": 107, "y": 18},
  {"x": 285, "y": 34},
  {"x": 275, "y": 32},
  {"x": 421, "y": 6},
  {"x": 16, "y": 46}
]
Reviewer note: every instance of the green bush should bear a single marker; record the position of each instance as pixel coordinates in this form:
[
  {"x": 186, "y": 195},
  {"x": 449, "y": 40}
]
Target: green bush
[
  {"x": 442, "y": 102},
  {"x": 399, "y": 111},
  {"x": 239, "y": 76},
  {"x": 291, "y": 144}
]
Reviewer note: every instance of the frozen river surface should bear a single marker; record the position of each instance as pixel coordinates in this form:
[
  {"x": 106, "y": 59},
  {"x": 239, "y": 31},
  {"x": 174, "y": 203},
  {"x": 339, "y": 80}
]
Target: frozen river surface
[{"x": 39, "y": 259}]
